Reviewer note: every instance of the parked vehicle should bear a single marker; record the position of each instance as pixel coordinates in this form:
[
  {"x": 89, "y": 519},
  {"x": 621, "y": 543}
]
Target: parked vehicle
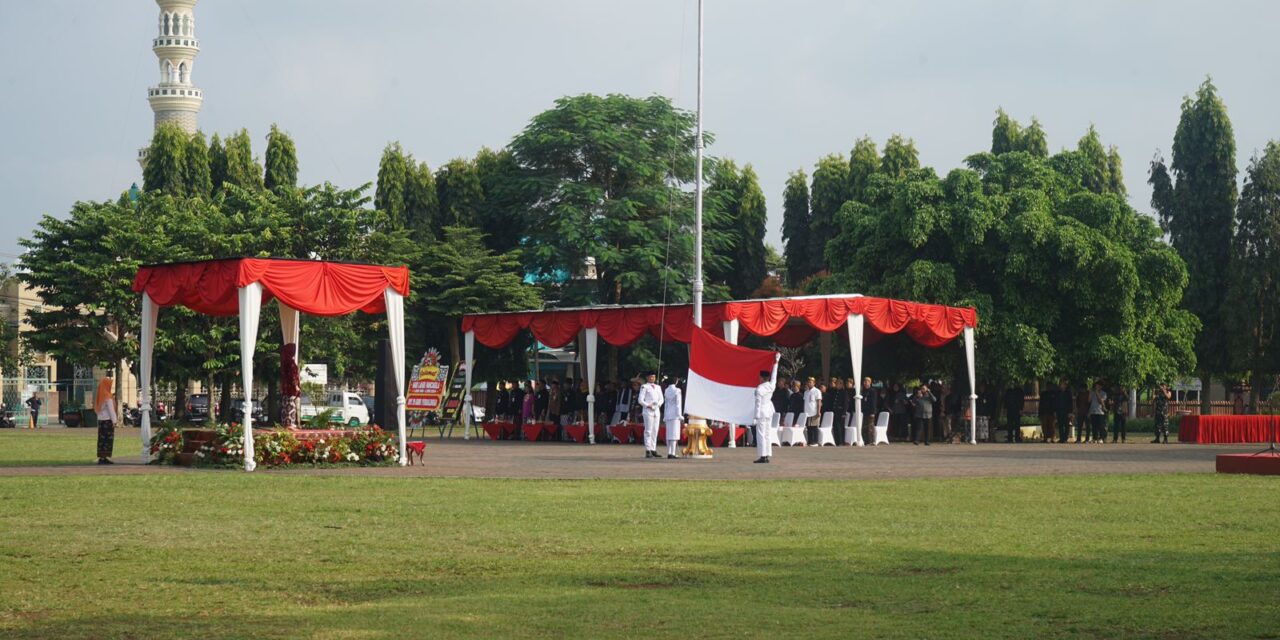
[
  {"x": 237, "y": 411},
  {"x": 6, "y": 419},
  {"x": 197, "y": 409},
  {"x": 347, "y": 408}
]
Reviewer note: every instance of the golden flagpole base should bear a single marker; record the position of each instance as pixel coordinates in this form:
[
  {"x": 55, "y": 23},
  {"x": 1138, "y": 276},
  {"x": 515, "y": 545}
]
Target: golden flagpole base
[{"x": 695, "y": 433}]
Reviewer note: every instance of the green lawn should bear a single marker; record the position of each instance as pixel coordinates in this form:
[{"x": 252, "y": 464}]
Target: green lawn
[
  {"x": 59, "y": 446},
  {"x": 233, "y": 555}
]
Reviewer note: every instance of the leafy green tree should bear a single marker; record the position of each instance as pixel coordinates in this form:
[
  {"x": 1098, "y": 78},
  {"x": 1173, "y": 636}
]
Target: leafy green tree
[
  {"x": 281, "y": 160},
  {"x": 1115, "y": 173},
  {"x": 468, "y": 278},
  {"x": 197, "y": 171},
  {"x": 393, "y": 177},
  {"x": 459, "y": 194},
  {"x": 1195, "y": 198},
  {"x": 421, "y": 204},
  {"x": 1097, "y": 168},
  {"x": 796, "y": 222},
  {"x": 1254, "y": 322},
  {"x": 602, "y": 178},
  {"x": 217, "y": 163},
  {"x": 502, "y": 214},
  {"x": 742, "y": 218},
  {"x": 864, "y": 162},
  {"x": 1006, "y": 134},
  {"x": 1066, "y": 281},
  {"x": 900, "y": 156},
  {"x": 829, "y": 193},
  {"x": 242, "y": 169},
  {"x": 165, "y": 168},
  {"x": 1033, "y": 140}
]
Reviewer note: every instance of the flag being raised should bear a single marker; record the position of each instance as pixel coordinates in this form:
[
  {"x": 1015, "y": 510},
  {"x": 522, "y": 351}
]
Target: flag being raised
[{"x": 723, "y": 378}]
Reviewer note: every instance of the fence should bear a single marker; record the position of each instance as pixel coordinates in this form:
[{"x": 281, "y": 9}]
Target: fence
[
  {"x": 14, "y": 393},
  {"x": 1031, "y": 407}
]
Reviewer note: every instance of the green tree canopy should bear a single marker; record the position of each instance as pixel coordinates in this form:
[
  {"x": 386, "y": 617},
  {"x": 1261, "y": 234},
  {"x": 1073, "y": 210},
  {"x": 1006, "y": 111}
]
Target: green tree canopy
[
  {"x": 1254, "y": 321},
  {"x": 281, "y": 160},
  {"x": 197, "y": 171},
  {"x": 165, "y": 167},
  {"x": 796, "y": 222}
]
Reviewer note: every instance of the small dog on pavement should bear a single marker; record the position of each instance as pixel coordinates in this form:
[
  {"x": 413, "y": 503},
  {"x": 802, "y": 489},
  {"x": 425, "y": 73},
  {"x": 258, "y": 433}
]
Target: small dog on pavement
[{"x": 415, "y": 448}]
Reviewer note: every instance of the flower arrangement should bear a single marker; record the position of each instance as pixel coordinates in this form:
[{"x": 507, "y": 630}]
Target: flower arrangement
[{"x": 166, "y": 443}]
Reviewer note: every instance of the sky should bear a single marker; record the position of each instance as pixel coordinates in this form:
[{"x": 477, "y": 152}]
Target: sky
[{"x": 786, "y": 82}]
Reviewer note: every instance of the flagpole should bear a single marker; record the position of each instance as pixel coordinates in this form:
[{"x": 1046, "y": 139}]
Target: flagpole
[{"x": 697, "y": 203}]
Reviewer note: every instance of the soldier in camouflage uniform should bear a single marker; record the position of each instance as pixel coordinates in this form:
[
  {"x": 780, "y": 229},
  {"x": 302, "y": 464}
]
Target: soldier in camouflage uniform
[{"x": 1160, "y": 407}]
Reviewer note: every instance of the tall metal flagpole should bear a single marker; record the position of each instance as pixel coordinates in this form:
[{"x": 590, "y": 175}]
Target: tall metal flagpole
[{"x": 697, "y": 203}]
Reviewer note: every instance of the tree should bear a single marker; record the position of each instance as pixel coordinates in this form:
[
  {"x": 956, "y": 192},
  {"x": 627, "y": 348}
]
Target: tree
[
  {"x": 468, "y": 278},
  {"x": 1195, "y": 199},
  {"x": 393, "y": 177},
  {"x": 1034, "y": 141},
  {"x": 1254, "y": 323},
  {"x": 242, "y": 169},
  {"x": 165, "y": 168},
  {"x": 602, "y": 177},
  {"x": 459, "y": 194},
  {"x": 217, "y": 163},
  {"x": 900, "y": 156},
  {"x": 421, "y": 204},
  {"x": 864, "y": 161},
  {"x": 198, "y": 174},
  {"x": 1066, "y": 281},
  {"x": 501, "y": 215},
  {"x": 281, "y": 161},
  {"x": 1006, "y": 134},
  {"x": 742, "y": 218},
  {"x": 829, "y": 193},
  {"x": 1097, "y": 166},
  {"x": 796, "y": 222}
]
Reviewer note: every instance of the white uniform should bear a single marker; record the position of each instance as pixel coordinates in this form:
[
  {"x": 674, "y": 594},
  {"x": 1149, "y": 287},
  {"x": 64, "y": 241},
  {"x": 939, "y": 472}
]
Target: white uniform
[
  {"x": 672, "y": 412},
  {"x": 764, "y": 418},
  {"x": 651, "y": 409}
]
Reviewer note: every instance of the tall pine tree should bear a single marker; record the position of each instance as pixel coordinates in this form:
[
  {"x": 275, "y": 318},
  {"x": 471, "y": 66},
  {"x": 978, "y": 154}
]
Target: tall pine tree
[
  {"x": 1254, "y": 320},
  {"x": 829, "y": 193},
  {"x": 1195, "y": 198},
  {"x": 165, "y": 169},
  {"x": 393, "y": 175},
  {"x": 198, "y": 173},
  {"x": 217, "y": 163},
  {"x": 797, "y": 252},
  {"x": 864, "y": 161},
  {"x": 281, "y": 160},
  {"x": 242, "y": 170},
  {"x": 900, "y": 156}
]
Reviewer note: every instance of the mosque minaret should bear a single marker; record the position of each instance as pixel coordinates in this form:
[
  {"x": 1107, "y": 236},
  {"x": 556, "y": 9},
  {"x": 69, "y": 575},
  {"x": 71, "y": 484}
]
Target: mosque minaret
[{"x": 175, "y": 99}]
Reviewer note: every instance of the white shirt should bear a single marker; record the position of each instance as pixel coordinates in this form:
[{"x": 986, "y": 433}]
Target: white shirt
[
  {"x": 764, "y": 403},
  {"x": 811, "y": 399},
  {"x": 650, "y": 396},
  {"x": 107, "y": 410},
  {"x": 673, "y": 403}
]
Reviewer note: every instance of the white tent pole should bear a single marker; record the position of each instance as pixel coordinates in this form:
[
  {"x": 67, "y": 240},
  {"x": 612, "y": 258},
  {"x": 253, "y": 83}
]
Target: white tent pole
[
  {"x": 250, "y": 309},
  {"x": 593, "y": 335},
  {"x": 150, "y": 313},
  {"x": 395, "y": 328},
  {"x": 731, "y": 336},
  {"x": 973, "y": 393},
  {"x": 291, "y": 333},
  {"x": 856, "y": 324},
  {"x": 468, "y": 359}
]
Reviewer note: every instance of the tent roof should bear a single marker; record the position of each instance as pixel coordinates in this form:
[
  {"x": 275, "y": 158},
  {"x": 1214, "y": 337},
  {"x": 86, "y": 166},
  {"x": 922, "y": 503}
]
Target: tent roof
[
  {"x": 311, "y": 286},
  {"x": 789, "y": 321}
]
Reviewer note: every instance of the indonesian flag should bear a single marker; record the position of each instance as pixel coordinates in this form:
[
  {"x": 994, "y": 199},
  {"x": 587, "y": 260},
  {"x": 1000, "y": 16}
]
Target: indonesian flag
[{"x": 723, "y": 378}]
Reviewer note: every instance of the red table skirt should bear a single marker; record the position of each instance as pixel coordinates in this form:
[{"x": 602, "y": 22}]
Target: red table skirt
[
  {"x": 535, "y": 430},
  {"x": 577, "y": 431},
  {"x": 1226, "y": 429},
  {"x": 622, "y": 432},
  {"x": 500, "y": 430},
  {"x": 720, "y": 435}
]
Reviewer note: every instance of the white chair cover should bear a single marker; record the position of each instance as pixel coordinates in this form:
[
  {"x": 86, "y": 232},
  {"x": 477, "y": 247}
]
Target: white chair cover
[
  {"x": 882, "y": 428},
  {"x": 825, "y": 433},
  {"x": 852, "y": 433}
]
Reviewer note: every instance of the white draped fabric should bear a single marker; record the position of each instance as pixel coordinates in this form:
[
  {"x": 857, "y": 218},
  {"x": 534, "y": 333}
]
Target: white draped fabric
[
  {"x": 468, "y": 361},
  {"x": 395, "y": 327},
  {"x": 592, "y": 336},
  {"x": 291, "y": 331},
  {"x": 857, "y": 326},
  {"x": 250, "y": 310},
  {"x": 973, "y": 394},
  {"x": 731, "y": 336},
  {"x": 150, "y": 314}
]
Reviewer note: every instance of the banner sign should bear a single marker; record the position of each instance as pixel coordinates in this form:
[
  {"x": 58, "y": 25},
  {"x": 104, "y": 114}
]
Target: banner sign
[
  {"x": 428, "y": 383},
  {"x": 453, "y": 401}
]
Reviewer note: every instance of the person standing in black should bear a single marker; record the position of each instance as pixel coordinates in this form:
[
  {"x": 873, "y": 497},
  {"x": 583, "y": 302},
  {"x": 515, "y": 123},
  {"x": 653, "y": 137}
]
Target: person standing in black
[
  {"x": 900, "y": 406},
  {"x": 1062, "y": 404},
  {"x": 780, "y": 395},
  {"x": 517, "y": 406},
  {"x": 541, "y": 398},
  {"x": 1120, "y": 409},
  {"x": 1013, "y": 403},
  {"x": 795, "y": 404},
  {"x": 986, "y": 408},
  {"x": 935, "y": 387},
  {"x": 871, "y": 406},
  {"x": 33, "y": 403},
  {"x": 839, "y": 407},
  {"x": 502, "y": 401},
  {"x": 1045, "y": 411}
]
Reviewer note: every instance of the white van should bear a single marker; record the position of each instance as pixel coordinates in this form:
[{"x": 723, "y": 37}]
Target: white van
[{"x": 348, "y": 409}]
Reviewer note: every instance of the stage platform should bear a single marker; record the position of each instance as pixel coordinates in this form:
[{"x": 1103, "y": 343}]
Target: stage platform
[{"x": 1262, "y": 464}]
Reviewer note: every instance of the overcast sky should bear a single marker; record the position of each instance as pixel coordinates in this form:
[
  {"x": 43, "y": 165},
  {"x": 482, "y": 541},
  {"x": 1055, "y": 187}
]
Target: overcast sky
[{"x": 786, "y": 81}]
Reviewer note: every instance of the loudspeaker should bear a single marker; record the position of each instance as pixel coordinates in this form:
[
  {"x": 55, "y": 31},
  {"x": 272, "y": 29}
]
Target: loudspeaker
[{"x": 384, "y": 390}]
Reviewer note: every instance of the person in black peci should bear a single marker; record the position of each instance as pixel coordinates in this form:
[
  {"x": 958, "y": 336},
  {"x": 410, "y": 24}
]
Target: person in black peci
[{"x": 1013, "y": 402}]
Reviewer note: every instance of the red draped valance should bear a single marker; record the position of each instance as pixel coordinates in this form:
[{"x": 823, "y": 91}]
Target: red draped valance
[
  {"x": 931, "y": 325},
  {"x": 310, "y": 286}
]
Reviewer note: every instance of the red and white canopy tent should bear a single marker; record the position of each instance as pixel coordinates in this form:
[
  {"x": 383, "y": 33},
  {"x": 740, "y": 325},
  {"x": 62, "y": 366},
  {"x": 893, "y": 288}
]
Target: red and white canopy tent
[
  {"x": 788, "y": 321},
  {"x": 241, "y": 285}
]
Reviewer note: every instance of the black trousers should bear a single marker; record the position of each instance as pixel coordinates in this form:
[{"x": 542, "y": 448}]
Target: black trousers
[
  {"x": 106, "y": 438},
  {"x": 1099, "y": 423},
  {"x": 837, "y": 428},
  {"x": 1014, "y": 420},
  {"x": 1119, "y": 428},
  {"x": 1064, "y": 427},
  {"x": 921, "y": 429}
]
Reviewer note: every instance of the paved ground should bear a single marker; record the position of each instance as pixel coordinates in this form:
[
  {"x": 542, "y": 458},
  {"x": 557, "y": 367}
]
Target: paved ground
[{"x": 482, "y": 458}]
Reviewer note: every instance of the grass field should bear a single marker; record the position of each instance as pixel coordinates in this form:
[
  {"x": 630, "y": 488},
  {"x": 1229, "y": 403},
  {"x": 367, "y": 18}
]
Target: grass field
[{"x": 233, "y": 555}]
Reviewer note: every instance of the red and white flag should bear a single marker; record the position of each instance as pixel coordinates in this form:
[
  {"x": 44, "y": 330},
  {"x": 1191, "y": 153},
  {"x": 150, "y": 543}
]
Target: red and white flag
[{"x": 723, "y": 378}]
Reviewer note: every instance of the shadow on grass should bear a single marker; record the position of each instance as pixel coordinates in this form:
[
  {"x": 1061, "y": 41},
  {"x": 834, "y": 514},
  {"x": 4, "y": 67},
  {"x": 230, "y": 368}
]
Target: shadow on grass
[{"x": 812, "y": 591}]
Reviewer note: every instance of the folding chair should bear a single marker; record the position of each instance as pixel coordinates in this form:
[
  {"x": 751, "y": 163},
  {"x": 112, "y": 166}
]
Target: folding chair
[
  {"x": 882, "y": 428},
  {"x": 826, "y": 436},
  {"x": 788, "y": 433},
  {"x": 774, "y": 438},
  {"x": 852, "y": 432}
]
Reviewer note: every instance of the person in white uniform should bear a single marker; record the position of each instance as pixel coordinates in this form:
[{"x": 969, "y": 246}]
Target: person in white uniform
[
  {"x": 672, "y": 413},
  {"x": 650, "y": 399},
  {"x": 764, "y": 417}
]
